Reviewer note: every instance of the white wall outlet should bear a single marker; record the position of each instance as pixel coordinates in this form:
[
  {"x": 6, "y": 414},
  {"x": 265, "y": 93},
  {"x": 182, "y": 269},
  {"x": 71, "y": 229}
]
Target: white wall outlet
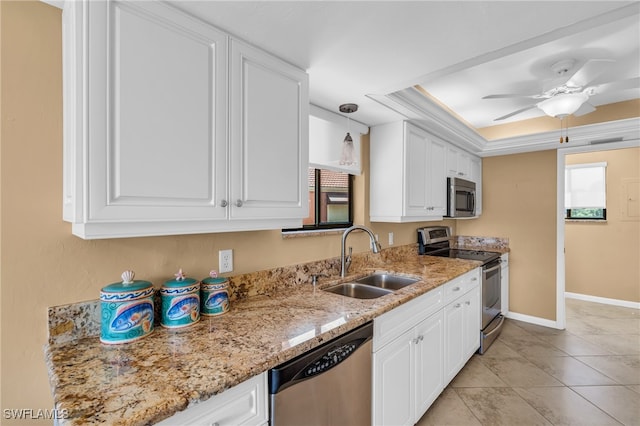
[
  {"x": 390, "y": 238},
  {"x": 225, "y": 261}
]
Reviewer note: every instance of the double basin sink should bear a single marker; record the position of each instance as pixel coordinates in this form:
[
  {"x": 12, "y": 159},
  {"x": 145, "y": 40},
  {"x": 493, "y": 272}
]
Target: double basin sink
[{"x": 372, "y": 286}]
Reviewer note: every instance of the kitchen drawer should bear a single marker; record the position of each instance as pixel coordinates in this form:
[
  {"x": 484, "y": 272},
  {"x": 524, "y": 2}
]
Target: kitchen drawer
[
  {"x": 461, "y": 285},
  {"x": 395, "y": 322},
  {"x": 243, "y": 404}
]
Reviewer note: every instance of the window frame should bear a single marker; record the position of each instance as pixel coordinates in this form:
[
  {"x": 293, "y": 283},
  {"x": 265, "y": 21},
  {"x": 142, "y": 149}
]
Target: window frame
[
  {"x": 317, "y": 205},
  {"x": 570, "y": 213}
]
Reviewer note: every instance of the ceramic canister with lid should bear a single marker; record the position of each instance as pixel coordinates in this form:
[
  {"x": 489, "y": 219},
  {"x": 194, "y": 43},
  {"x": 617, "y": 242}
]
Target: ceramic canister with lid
[
  {"x": 180, "y": 301},
  {"x": 215, "y": 295},
  {"x": 126, "y": 310}
]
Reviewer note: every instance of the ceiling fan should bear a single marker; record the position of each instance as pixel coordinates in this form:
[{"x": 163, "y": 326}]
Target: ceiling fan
[{"x": 569, "y": 92}]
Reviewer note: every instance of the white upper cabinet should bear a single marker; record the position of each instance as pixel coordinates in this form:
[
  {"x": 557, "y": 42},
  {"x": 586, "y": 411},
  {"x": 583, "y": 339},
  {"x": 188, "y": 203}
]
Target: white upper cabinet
[
  {"x": 407, "y": 174},
  {"x": 269, "y": 136},
  {"x": 458, "y": 163},
  {"x": 147, "y": 107}
]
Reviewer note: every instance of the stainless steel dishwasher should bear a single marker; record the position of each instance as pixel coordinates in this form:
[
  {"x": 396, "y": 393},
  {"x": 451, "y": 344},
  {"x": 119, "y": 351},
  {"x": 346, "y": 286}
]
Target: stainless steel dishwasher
[{"x": 327, "y": 386}]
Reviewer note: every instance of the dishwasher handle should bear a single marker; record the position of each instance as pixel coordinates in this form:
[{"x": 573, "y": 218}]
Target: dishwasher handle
[{"x": 318, "y": 360}]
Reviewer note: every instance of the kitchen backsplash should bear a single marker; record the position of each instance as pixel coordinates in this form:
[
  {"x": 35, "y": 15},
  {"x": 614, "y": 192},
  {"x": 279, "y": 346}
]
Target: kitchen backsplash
[
  {"x": 80, "y": 320},
  {"x": 481, "y": 243}
]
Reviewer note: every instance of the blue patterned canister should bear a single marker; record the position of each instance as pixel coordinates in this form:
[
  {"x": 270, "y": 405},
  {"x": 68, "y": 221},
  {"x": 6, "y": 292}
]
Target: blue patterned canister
[
  {"x": 180, "y": 302},
  {"x": 126, "y": 310},
  {"x": 215, "y": 295}
]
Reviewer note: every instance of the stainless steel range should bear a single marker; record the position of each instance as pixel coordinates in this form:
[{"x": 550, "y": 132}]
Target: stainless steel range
[{"x": 436, "y": 241}]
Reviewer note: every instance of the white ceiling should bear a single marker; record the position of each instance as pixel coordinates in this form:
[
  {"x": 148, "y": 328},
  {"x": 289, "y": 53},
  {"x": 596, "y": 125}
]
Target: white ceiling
[{"x": 458, "y": 51}]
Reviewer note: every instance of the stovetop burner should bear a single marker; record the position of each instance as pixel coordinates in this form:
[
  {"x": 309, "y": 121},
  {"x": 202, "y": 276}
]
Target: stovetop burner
[
  {"x": 482, "y": 256},
  {"x": 435, "y": 241}
]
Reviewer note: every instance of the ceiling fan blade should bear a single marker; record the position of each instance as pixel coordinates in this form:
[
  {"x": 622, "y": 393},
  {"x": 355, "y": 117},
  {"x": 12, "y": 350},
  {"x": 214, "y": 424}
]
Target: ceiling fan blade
[
  {"x": 614, "y": 86},
  {"x": 508, "y": 95},
  {"x": 511, "y": 114},
  {"x": 589, "y": 72},
  {"x": 585, "y": 108}
]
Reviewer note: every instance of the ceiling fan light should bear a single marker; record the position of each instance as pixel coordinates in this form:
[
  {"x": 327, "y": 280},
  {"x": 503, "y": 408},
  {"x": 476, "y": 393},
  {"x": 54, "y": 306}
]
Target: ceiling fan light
[{"x": 562, "y": 105}]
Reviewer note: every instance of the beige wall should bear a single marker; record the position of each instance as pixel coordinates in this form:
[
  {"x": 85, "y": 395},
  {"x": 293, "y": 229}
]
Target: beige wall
[
  {"x": 43, "y": 264},
  {"x": 519, "y": 202},
  {"x": 602, "y": 258}
]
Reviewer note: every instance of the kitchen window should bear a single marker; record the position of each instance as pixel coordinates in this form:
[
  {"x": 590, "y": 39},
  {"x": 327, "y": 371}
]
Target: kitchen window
[
  {"x": 585, "y": 195},
  {"x": 330, "y": 200}
]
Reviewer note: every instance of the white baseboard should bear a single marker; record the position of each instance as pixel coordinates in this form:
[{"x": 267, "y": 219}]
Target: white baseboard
[
  {"x": 605, "y": 300},
  {"x": 532, "y": 320}
]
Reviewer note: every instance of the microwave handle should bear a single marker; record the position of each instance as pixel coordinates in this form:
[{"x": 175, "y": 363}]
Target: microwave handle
[{"x": 473, "y": 202}]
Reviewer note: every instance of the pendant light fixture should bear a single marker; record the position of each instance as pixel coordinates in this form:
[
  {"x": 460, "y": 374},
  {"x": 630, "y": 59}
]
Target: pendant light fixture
[{"x": 347, "y": 156}]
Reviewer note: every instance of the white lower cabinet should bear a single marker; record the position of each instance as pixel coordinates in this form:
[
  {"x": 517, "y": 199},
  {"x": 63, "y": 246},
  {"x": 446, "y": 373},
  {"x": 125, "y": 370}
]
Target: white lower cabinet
[
  {"x": 244, "y": 404},
  {"x": 393, "y": 379},
  {"x": 429, "y": 362},
  {"x": 420, "y": 346},
  {"x": 462, "y": 331}
]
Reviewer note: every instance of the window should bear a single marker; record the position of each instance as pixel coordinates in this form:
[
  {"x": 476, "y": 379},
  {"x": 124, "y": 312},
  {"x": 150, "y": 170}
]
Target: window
[
  {"x": 585, "y": 191},
  {"x": 330, "y": 200}
]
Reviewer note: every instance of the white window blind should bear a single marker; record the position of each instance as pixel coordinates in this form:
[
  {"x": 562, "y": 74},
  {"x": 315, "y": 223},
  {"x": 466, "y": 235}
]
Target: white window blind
[{"x": 585, "y": 186}]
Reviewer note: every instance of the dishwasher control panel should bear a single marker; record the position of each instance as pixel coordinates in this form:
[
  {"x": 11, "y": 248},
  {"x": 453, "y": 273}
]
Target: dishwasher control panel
[{"x": 331, "y": 358}]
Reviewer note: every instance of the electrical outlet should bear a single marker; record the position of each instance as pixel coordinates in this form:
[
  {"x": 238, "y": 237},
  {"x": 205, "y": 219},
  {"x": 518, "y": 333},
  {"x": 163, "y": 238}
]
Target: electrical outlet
[
  {"x": 225, "y": 261},
  {"x": 390, "y": 238}
]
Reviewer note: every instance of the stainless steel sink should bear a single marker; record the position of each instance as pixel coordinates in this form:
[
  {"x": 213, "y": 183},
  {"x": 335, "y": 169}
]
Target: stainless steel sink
[
  {"x": 387, "y": 281},
  {"x": 358, "y": 291}
]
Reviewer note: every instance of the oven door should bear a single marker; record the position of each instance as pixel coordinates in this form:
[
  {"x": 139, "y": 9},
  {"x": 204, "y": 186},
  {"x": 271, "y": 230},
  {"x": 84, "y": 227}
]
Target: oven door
[{"x": 490, "y": 291}]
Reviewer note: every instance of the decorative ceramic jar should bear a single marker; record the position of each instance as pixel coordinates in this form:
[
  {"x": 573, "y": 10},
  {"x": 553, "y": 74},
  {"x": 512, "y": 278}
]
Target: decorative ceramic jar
[
  {"x": 180, "y": 302},
  {"x": 126, "y": 310},
  {"x": 215, "y": 295}
]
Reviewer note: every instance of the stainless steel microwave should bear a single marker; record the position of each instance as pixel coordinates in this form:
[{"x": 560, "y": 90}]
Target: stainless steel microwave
[{"x": 461, "y": 197}]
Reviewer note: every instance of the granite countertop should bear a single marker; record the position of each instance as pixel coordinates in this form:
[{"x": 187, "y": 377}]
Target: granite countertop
[{"x": 151, "y": 379}]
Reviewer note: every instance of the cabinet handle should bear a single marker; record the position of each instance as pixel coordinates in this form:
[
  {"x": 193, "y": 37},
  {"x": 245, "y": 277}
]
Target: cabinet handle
[
  {"x": 457, "y": 305},
  {"x": 215, "y": 424},
  {"x": 460, "y": 174},
  {"x": 456, "y": 289},
  {"x": 224, "y": 203},
  {"x": 474, "y": 279},
  {"x": 467, "y": 302},
  {"x": 239, "y": 203},
  {"x": 420, "y": 338}
]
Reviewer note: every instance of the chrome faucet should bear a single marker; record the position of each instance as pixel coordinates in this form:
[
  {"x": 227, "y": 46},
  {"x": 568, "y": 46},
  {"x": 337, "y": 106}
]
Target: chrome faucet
[{"x": 375, "y": 247}]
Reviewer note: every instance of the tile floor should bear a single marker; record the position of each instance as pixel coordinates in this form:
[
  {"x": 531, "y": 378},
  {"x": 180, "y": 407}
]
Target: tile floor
[{"x": 588, "y": 374}]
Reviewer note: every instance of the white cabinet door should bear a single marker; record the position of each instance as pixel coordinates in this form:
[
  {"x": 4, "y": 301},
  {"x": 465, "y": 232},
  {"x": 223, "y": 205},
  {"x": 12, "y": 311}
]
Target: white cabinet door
[
  {"x": 471, "y": 306},
  {"x": 458, "y": 162},
  {"x": 416, "y": 172},
  {"x": 269, "y": 136},
  {"x": 453, "y": 339},
  {"x": 145, "y": 116},
  {"x": 437, "y": 178},
  {"x": 429, "y": 362},
  {"x": 393, "y": 382}
]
